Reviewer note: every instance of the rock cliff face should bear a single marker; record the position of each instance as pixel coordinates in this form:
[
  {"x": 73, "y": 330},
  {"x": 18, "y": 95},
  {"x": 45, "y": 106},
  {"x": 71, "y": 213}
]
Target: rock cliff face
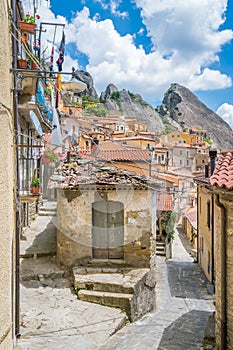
[
  {"x": 86, "y": 78},
  {"x": 181, "y": 106},
  {"x": 132, "y": 106}
]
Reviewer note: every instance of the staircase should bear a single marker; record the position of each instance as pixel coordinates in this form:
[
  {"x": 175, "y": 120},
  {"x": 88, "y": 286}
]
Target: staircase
[
  {"x": 48, "y": 209},
  {"x": 160, "y": 247},
  {"x": 109, "y": 287}
]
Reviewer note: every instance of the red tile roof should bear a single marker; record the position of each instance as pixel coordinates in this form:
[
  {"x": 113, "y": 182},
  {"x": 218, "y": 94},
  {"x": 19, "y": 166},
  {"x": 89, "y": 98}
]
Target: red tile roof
[
  {"x": 123, "y": 155},
  {"x": 223, "y": 173},
  {"x": 164, "y": 202},
  {"x": 191, "y": 215}
]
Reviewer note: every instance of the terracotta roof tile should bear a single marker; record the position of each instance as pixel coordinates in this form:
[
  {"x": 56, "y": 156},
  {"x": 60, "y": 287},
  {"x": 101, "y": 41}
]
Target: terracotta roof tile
[
  {"x": 164, "y": 202},
  {"x": 191, "y": 215},
  {"x": 123, "y": 155},
  {"x": 223, "y": 173}
]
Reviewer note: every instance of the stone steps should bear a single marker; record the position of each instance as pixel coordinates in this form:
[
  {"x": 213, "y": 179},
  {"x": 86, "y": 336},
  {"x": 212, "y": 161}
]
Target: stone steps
[
  {"x": 105, "y": 282},
  {"x": 106, "y": 286},
  {"x": 160, "y": 249},
  {"x": 118, "y": 300},
  {"x": 48, "y": 209}
]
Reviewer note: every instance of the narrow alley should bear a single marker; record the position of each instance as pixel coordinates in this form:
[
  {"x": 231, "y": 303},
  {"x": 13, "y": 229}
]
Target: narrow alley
[{"x": 53, "y": 318}]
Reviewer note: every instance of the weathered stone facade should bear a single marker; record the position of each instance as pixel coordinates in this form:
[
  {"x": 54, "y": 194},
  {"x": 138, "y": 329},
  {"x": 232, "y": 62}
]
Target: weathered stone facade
[
  {"x": 75, "y": 225},
  {"x": 7, "y": 228},
  {"x": 205, "y": 231},
  {"x": 224, "y": 267}
]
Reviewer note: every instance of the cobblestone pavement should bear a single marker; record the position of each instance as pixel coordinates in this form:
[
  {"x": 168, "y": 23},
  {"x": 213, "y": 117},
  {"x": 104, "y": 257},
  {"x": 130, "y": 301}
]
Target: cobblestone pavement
[
  {"x": 183, "y": 308},
  {"x": 53, "y": 319}
]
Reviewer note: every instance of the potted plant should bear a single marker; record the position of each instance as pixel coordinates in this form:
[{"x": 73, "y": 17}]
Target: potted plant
[
  {"x": 28, "y": 24},
  {"x": 22, "y": 63},
  {"x": 34, "y": 62},
  {"x": 51, "y": 158},
  {"x": 35, "y": 186}
]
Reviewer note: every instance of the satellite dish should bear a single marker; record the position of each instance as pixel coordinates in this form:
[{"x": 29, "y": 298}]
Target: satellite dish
[{"x": 36, "y": 123}]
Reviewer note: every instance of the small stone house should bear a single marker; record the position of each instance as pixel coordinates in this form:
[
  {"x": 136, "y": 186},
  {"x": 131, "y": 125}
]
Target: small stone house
[{"x": 105, "y": 214}]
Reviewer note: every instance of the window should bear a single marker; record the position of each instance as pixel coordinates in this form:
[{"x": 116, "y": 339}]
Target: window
[
  {"x": 208, "y": 213},
  {"x": 162, "y": 158},
  {"x": 181, "y": 162},
  {"x": 155, "y": 156},
  {"x": 187, "y": 162},
  {"x": 181, "y": 153}
]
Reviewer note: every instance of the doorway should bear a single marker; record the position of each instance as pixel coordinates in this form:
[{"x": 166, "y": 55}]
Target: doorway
[{"x": 107, "y": 230}]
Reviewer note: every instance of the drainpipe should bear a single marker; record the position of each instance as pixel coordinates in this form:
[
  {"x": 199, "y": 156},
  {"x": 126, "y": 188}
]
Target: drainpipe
[
  {"x": 17, "y": 197},
  {"x": 223, "y": 281}
]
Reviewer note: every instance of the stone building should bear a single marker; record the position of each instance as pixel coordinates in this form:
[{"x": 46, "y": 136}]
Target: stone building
[
  {"x": 215, "y": 243},
  {"x": 222, "y": 191},
  {"x": 7, "y": 180},
  {"x": 104, "y": 213}
]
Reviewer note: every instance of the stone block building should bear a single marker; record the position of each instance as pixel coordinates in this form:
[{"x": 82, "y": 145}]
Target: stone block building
[
  {"x": 7, "y": 180},
  {"x": 107, "y": 214},
  {"x": 222, "y": 190}
]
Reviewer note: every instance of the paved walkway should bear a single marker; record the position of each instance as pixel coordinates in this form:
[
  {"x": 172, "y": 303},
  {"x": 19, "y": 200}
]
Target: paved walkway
[
  {"x": 182, "y": 308},
  {"x": 53, "y": 319}
]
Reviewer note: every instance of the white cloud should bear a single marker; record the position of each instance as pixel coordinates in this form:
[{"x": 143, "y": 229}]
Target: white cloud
[
  {"x": 113, "y": 5},
  {"x": 186, "y": 41},
  {"x": 225, "y": 111}
]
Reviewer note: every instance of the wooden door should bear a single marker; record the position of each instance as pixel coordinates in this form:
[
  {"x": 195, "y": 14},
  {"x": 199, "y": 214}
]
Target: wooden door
[{"x": 108, "y": 230}]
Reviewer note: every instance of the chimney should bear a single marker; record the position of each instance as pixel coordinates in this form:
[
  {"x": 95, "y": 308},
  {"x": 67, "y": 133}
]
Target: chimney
[{"x": 212, "y": 155}]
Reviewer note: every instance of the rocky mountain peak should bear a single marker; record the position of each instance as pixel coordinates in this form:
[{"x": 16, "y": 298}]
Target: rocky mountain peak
[{"x": 181, "y": 106}]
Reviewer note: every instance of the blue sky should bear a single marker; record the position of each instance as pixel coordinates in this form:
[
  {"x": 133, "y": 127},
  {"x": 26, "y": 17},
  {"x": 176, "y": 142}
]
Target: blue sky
[{"x": 145, "y": 45}]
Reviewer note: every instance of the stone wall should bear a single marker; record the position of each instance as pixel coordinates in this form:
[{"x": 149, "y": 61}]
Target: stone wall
[
  {"x": 204, "y": 232},
  {"x": 228, "y": 237},
  {"x": 7, "y": 228},
  {"x": 74, "y": 225}
]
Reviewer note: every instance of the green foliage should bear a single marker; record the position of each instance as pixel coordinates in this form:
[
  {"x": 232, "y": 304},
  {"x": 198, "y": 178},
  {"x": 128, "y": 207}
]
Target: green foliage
[
  {"x": 78, "y": 104},
  {"x": 77, "y": 288},
  {"x": 132, "y": 96},
  {"x": 208, "y": 140},
  {"x": 89, "y": 99},
  {"x": 53, "y": 156},
  {"x": 165, "y": 131},
  {"x": 168, "y": 224},
  {"x": 35, "y": 182},
  {"x": 115, "y": 96},
  {"x": 169, "y": 91},
  {"x": 47, "y": 91},
  {"x": 95, "y": 110}
]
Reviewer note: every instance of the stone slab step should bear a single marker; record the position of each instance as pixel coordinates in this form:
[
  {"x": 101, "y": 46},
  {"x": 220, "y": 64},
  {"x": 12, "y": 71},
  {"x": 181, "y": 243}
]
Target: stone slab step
[
  {"x": 160, "y": 244},
  {"x": 113, "y": 283},
  {"x": 114, "y": 263},
  {"x": 43, "y": 208},
  {"x": 160, "y": 253},
  {"x": 117, "y": 300},
  {"x": 47, "y": 213}
]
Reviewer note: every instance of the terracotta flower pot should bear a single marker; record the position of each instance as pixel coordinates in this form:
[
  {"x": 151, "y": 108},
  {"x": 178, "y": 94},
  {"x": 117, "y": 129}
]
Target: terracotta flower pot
[
  {"x": 35, "y": 190},
  {"x": 21, "y": 63},
  {"x": 24, "y": 38},
  {"x": 27, "y": 27},
  {"x": 34, "y": 65}
]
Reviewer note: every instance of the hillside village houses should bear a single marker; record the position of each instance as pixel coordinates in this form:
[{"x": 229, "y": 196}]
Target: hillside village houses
[{"x": 155, "y": 172}]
